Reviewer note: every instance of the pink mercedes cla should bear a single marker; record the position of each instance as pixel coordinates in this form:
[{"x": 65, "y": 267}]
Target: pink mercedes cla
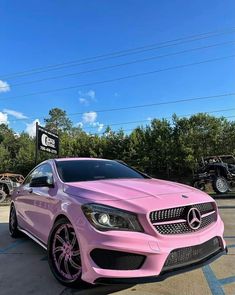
[{"x": 102, "y": 221}]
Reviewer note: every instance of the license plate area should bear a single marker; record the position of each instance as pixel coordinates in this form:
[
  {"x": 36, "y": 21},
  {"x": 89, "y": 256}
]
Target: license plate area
[{"x": 193, "y": 254}]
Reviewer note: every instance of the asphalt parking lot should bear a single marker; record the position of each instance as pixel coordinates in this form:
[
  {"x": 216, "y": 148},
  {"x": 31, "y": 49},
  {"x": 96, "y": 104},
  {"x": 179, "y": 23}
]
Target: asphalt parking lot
[{"x": 24, "y": 268}]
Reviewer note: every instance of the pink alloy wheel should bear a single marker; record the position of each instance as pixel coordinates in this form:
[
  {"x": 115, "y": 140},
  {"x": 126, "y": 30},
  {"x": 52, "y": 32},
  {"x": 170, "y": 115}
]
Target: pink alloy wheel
[{"x": 66, "y": 253}]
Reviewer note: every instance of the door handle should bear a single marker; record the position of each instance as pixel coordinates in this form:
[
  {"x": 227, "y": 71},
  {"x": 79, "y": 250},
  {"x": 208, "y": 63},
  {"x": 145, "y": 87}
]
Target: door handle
[{"x": 30, "y": 190}]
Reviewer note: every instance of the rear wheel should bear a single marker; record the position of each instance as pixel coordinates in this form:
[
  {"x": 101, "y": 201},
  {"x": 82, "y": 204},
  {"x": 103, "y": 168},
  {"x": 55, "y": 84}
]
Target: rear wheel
[
  {"x": 13, "y": 224},
  {"x": 220, "y": 185},
  {"x": 64, "y": 254},
  {"x": 3, "y": 196}
]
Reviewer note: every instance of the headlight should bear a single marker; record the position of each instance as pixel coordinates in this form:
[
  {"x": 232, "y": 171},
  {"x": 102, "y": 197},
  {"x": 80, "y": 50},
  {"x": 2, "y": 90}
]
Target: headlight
[{"x": 109, "y": 218}]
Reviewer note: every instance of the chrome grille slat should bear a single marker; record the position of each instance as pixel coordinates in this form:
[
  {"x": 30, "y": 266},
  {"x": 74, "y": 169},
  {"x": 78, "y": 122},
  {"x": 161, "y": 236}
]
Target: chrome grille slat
[{"x": 162, "y": 220}]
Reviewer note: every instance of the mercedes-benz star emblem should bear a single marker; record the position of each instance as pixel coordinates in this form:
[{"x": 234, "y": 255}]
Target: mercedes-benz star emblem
[{"x": 194, "y": 218}]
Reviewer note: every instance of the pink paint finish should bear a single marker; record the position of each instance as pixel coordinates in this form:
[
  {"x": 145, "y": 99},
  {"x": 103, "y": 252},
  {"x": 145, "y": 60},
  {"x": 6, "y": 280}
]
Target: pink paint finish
[{"x": 38, "y": 209}]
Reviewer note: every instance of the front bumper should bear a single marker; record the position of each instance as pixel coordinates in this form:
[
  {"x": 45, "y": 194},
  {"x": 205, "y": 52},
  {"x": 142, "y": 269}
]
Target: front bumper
[
  {"x": 156, "y": 249},
  {"x": 164, "y": 275}
]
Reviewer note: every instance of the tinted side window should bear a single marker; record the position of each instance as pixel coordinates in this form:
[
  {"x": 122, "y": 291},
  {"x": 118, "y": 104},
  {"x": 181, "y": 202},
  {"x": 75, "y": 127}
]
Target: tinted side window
[
  {"x": 46, "y": 170},
  {"x": 42, "y": 170},
  {"x": 33, "y": 174}
]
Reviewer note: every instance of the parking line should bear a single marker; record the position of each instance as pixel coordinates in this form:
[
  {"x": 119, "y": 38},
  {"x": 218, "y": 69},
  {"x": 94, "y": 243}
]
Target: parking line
[
  {"x": 228, "y": 280},
  {"x": 213, "y": 283},
  {"x": 12, "y": 246}
]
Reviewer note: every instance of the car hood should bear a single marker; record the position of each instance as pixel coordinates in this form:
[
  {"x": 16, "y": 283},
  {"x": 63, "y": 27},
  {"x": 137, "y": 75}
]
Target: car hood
[{"x": 127, "y": 189}]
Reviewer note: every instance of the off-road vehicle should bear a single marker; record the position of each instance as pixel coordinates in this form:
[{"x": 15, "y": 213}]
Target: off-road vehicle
[
  {"x": 8, "y": 182},
  {"x": 217, "y": 170}
]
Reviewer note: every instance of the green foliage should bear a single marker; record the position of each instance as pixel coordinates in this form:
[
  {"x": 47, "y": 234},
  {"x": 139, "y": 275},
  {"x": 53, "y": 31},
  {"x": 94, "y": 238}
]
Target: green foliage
[
  {"x": 164, "y": 148},
  {"x": 26, "y": 153},
  {"x": 5, "y": 159},
  {"x": 58, "y": 121}
]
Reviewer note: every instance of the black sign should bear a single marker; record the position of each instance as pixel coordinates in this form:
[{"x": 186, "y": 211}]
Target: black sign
[{"x": 47, "y": 141}]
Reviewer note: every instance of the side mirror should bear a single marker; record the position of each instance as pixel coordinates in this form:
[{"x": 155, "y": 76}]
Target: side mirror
[{"x": 42, "y": 181}]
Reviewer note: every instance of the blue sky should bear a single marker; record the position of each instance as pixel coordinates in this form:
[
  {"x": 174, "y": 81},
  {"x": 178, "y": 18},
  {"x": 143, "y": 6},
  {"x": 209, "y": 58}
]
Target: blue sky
[{"x": 36, "y": 34}]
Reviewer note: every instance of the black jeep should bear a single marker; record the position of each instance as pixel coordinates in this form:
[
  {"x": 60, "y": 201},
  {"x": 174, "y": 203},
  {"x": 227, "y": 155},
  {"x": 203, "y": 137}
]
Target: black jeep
[{"x": 217, "y": 170}]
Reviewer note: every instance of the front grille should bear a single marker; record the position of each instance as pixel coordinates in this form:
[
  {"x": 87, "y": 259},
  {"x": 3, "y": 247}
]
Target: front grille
[
  {"x": 189, "y": 255},
  {"x": 117, "y": 260},
  {"x": 174, "y": 220}
]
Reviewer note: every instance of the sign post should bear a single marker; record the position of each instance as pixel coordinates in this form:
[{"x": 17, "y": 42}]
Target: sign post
[
  {"x": 36, "y": 145},
  {"x": 46, "y": 141}
]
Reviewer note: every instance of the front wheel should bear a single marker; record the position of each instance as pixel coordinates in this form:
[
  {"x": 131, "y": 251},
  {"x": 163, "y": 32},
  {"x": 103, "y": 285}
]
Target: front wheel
[
  {"x": 220, "y": 185},
  {"x": 64, "y": 254}
]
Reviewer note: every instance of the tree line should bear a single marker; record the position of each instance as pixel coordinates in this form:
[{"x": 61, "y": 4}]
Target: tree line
[{"x": 164, "y": 148}]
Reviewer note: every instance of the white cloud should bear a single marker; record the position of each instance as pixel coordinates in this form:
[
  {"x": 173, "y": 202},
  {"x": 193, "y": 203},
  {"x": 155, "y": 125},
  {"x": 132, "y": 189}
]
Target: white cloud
[
  {"x": 83, "y": 101},
  {"x": 91, "y": 93},
  {"x": 15, "y": 114},
  {"x": 99, "y": 126},
  {"x": 149, "y": 119},
  {"x": 87, "y": 97},
  {"x": 89, "y": 117},
  {"x": 3, "y": 118},
  {"x": 31, "y": 128},
  {"x": 80, "y": 124},
  {"x": 4, "y": 86}
]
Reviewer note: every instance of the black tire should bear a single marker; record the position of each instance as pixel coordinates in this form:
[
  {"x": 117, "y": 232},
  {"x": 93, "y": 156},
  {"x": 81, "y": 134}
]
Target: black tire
[
  {"x": 66, "y": 259},
  {"x": 220, "y": 185},
  {"x": 3, "y": 196},
  {"x": 13, "y": 224}
]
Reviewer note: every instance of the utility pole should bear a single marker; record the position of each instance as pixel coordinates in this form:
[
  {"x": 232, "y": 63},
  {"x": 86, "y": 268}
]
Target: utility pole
[{"x": 36, "y": 145}]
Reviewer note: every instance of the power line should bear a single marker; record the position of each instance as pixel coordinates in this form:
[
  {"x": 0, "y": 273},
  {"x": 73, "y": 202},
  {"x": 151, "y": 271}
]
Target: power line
[
  {"x": 132, "y": 129},
  {"x": 118, "y": 54},
  {"x": 121, "y": 78},
  {"x": 122, "y": 64},
  {"x": 175, "y": 101},
  {"x": 143, "y": 121}
]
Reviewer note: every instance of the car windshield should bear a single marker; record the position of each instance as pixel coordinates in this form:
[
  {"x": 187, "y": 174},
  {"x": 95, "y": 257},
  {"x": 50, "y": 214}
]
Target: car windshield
[
  {"x": 228, "y": 160},
  {"x": 87, "y": 170}
]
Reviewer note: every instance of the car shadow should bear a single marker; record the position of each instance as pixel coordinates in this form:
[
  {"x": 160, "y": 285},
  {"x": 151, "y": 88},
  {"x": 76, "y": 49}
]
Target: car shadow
[
  {"x": 96, "y": 289},
  {"x": 24, "y": 245}
]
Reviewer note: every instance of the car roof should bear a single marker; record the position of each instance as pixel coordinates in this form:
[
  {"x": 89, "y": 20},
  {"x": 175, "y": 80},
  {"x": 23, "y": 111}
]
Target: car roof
[{"x": 79, "y": 159}]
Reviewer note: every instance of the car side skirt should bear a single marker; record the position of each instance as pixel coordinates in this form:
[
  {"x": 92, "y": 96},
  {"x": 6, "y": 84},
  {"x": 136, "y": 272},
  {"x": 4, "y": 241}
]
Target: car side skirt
[{"x": 33, "y": 238}]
